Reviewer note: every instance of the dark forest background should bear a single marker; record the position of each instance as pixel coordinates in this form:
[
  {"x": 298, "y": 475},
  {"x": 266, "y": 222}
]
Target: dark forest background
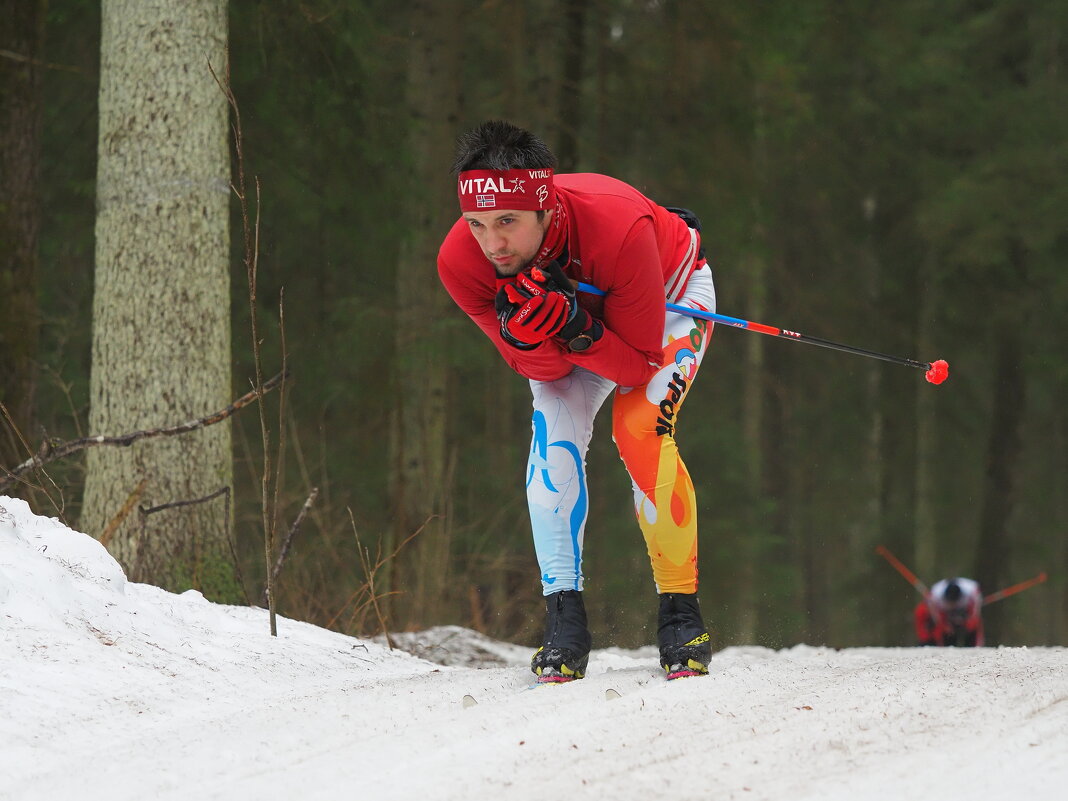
[{"x": 888, "y": 175}]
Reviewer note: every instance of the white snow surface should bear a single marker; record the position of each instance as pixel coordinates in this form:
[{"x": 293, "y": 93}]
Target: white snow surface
[{"x": 115, "y": 690}]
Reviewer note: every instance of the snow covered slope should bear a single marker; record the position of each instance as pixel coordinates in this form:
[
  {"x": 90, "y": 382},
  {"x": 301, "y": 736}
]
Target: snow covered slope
[{"x": 114, "y": 690}]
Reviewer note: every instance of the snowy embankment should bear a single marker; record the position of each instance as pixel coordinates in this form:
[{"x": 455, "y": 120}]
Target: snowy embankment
[{"x": 115, "y": 690}]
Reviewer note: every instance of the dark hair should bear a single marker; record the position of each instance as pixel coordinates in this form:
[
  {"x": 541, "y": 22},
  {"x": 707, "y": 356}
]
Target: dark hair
[
  {"x": 499, "y": 145},
  {"x": 953, "y": 592}
]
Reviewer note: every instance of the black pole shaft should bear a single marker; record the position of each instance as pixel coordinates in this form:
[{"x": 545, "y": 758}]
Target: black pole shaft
[{"x": 824, "y": 343}]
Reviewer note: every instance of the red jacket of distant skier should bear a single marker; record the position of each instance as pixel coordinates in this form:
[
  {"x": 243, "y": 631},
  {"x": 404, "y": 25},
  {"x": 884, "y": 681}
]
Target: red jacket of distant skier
[{"x": 951, "y": 614}]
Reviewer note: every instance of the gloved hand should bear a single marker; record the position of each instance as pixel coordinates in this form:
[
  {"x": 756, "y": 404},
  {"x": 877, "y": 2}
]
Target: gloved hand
[
  {"x": 529, "y": 312},
  {"x": 579, "y": 321}
]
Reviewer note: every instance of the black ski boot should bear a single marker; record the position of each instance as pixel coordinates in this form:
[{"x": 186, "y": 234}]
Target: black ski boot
[
  {"x": 685, "y": 648},
  {"x": 565, "y": 648}
]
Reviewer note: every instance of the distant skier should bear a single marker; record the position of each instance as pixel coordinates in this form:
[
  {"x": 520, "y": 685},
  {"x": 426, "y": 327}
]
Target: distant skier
[
  {"x": 951, "y": 614},
  {"x": 526, "y": 235}
]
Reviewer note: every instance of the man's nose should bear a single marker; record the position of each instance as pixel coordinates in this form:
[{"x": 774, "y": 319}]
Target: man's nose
[{"x": 495, "y": 242}]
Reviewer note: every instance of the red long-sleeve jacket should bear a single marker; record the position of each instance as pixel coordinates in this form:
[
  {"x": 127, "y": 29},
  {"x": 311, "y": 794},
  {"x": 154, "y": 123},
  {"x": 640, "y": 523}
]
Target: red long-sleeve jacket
[
  {"x": 960, "y": 622},
  {"x": 634, "y": 250}
]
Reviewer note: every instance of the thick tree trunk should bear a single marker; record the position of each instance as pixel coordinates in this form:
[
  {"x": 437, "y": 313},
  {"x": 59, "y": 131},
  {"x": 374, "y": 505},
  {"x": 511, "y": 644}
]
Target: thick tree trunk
[
  {"x": 161, "y": 309},
  {"x": 419, "y": 461},
  {"x": 20, "y": 144}
]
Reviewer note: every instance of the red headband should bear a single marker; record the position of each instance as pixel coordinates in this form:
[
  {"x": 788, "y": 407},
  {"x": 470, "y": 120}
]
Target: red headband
[{"x": 489, "y": 190}]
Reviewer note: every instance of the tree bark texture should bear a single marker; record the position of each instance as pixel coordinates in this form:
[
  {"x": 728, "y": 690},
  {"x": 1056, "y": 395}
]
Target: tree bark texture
[
  {"x": 161, "y": 307},
  {"x": 20, "y": 146}
]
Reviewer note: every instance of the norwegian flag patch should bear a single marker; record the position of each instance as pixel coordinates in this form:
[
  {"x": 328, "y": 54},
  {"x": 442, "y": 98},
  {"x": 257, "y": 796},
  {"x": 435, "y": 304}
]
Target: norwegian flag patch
[{"x": 485, "y": 201}]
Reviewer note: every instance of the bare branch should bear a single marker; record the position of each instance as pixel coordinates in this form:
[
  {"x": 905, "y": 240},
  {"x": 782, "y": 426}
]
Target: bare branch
[
  {"x": 11, "y": 478},
  {"x": 51, "y": 451},
  {"x": 48, "y": 65},
  {"x": 369, "y": 573},
  {"x": 284, "y": 551},
  {"x": 370, "y": 570},
  {"x": 179, "y": 504},
  {"x": 251, "y": 234},
  {"x": 143, "y": 514}
]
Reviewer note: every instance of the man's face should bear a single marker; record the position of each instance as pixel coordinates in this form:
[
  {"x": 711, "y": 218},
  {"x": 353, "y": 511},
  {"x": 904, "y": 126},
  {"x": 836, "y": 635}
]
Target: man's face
[{"x": 510, "y": 239}]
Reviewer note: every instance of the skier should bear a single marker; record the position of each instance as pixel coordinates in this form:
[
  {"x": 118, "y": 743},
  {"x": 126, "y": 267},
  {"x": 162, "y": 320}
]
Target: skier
[
  {"x": 950, "y": 614},
  {"x": 525, "y": 236}
]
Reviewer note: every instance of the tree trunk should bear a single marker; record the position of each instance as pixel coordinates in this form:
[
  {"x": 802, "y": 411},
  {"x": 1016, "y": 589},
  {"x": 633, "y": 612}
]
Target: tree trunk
[
  {"x": 869, "y": 529},
  {"x": 754, "y": 389},
  {"x": 20, "y": 144},
  {"x": 161, "y": 308},
  {"x": 1059, "y": 633},
  {"x": 926, "y": 559},
  {"x": 1004, "y": 446},
  {"x": 1002, "y": 455},
  {"x": 419, "y": 438},
  {"x": 751, "y": 543},
  {"x": 570, "y": 120}
]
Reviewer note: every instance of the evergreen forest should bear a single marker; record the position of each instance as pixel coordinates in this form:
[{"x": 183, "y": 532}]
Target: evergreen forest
[{"x": 887, "y": 175}]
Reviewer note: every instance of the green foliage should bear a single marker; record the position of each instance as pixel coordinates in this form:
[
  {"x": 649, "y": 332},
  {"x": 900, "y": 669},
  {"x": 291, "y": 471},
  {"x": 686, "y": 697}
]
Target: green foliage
[{"x": 895, "y": 169}]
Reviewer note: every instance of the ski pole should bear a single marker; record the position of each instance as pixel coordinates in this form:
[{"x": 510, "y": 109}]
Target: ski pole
[
  {"x": 910, "y": 577},
  {"x": 935, "y": 372},
  {"x": 1015, "y": 588}
]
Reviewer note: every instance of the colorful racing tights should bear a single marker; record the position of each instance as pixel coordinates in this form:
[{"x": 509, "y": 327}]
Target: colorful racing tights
[{"x": 643, "y": 428}]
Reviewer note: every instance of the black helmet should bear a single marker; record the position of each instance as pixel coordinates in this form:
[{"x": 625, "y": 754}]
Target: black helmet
[
  {"x": 952, "y": 593},
  {"x": 955, "y": 603}
]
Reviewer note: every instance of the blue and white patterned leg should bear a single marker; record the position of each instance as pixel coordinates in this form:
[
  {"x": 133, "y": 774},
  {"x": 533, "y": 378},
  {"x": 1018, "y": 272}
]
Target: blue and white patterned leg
[{"x": 557, "y": 496}]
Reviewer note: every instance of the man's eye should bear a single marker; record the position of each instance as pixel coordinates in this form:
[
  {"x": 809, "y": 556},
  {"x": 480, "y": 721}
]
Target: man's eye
[{"x": 474, "y": 223}]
